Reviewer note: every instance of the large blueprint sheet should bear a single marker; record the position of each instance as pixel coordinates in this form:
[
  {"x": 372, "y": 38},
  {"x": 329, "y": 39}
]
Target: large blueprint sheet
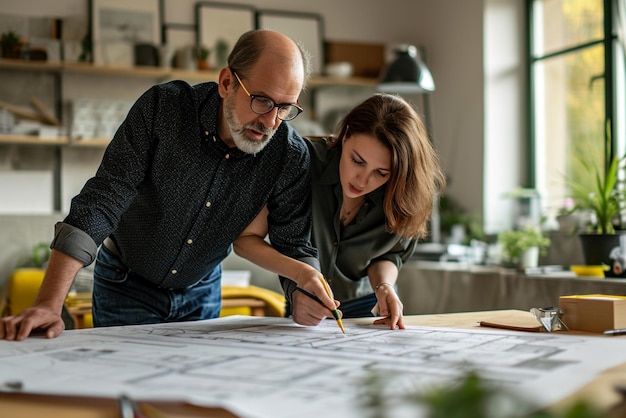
[{"x": 271, "y": 367}]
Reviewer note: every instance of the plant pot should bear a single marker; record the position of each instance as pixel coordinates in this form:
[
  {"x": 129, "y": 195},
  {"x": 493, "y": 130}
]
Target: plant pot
[
  {"x": 203, "y": 65},
  {"x": 11, "y": 51},
  {"x": 604, "y": 249},
  {"x": 529, "y": 258}
]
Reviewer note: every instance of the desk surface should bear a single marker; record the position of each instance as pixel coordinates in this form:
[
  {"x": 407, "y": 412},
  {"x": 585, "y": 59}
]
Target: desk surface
[{"x": 600, "y": 391}]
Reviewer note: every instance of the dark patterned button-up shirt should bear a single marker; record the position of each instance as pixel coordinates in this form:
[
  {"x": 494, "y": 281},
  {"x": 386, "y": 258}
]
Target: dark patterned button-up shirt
[
  {"x": 345, "y": 253},
  {"x": 173, "y": 197}
]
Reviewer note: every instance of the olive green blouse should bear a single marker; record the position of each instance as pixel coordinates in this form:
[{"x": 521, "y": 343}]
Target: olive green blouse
[{"x": 345, "y": 253}]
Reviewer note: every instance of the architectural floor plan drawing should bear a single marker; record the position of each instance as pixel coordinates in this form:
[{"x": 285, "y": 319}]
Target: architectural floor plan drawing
[{"x": 271, "y": 367}]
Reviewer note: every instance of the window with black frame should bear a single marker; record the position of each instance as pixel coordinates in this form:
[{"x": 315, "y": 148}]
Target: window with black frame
[{"x": 577, "y": 92}]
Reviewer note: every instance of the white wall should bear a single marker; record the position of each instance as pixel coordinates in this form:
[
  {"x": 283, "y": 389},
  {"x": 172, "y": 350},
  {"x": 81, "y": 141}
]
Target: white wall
[
  {"x": 505, "y": 127},
  {"x": 452, "y": 33}
]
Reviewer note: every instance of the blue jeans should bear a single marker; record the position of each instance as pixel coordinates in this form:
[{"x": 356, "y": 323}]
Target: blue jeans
[
  {"x": 121, "y": 297},
  {"x": 360, "y": 307}
]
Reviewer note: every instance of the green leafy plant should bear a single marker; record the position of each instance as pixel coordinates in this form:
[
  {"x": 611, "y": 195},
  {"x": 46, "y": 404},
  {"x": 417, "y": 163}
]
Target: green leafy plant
[
  {"x": 10, "y": 44},
  {"x": 473, "y": 397},
  {"x": 469, "y": 396},
  {"x": 605, "y": 200},
  {"x": 202, "y": 53},
  {"x": 9, "y": 38},
  {"x": 515, "y": 242},
  {"x": 451, "y": 213}
]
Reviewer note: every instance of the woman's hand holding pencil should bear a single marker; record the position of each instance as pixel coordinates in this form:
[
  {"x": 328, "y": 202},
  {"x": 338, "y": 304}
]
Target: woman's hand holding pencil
[{"x": 321, "y": 300}]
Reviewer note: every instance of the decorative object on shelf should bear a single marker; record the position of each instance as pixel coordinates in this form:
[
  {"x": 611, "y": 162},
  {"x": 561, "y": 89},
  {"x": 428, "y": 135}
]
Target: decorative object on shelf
[
  {"x": 86, "y": 49},
  {"x": 11, "y": 44},
  {"x": 222, "y": 22},
  {"x": 117, "y": 25},
  {"x": 7, "y": 120},
  {"x": 202, "y": 57},
  {"x": 407, "y": 73},
  {"x": 147, "y": 55},
  {"x": 176, "y": 36},
  {"x": 521, "y": 248},
  {"x": 453, "y": 216},
  {"x": 305, "y": 28},
  {"x": 184, "y": 58},
  {"x": 97, "y": 118},
  {"x": 339, "y": 69},
  {"x": 40, "y": 114},
  {"x": 221, "y": 53}
]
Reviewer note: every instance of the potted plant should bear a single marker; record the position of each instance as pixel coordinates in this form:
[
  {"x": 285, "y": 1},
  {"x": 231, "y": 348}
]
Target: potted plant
[
  {"x": 453, "y": 216},
  {"x": 604, "y": 201},
  {"x": 202, "y": 57},
  {"x": 522, "y": 247},
  {"x": 10, "y": 43}
]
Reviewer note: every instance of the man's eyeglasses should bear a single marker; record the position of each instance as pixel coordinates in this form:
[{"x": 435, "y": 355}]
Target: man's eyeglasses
[{"x": 262, "y": 105}]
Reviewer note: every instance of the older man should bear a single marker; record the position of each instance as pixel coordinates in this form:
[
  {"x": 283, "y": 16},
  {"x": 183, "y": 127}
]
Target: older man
[{"x": 187, "y": 171}]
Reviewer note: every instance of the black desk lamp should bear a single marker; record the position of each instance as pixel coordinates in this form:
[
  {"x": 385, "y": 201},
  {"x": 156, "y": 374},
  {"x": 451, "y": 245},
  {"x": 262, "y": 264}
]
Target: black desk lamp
[{"x": 407, "y": 73}]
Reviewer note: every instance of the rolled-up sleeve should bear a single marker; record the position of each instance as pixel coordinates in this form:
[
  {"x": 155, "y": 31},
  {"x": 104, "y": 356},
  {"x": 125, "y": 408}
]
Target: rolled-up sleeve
[{"x": 74, "y": 242}]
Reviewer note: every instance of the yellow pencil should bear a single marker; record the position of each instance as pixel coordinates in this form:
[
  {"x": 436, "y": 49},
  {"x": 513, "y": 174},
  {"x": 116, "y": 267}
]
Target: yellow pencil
[{"x": 334, "y": 311}]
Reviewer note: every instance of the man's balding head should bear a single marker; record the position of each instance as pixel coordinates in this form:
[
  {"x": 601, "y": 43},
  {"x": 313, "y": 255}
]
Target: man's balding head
[{"x": 265, "y": 44}]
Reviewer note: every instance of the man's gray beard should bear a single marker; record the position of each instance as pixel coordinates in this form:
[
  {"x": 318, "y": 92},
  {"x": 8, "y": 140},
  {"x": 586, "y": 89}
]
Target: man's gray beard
[{"x": 250, "y": 146}]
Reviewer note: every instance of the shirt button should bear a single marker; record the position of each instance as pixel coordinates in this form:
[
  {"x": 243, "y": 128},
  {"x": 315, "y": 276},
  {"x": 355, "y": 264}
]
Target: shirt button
[
  {"x": 334, "y": 243},
  {"x": 208, "y": 204},
  {"x": 189, "y": 241},
  {"x": 206, "y": 133},
  {"x": 227, "y": 156},
  {"x": 174, "y": 271}
]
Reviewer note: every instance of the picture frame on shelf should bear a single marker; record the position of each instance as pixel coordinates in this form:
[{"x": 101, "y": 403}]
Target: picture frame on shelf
[
  {"x": 219, "y": 27},
  {"x": 116, "y": 26},
  {"x": 304, "y": 28}
]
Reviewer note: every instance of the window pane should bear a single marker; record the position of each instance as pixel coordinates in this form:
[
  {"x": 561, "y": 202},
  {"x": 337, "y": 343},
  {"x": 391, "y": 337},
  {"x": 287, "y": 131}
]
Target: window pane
[
  {"x": 569, "y": 124},
  {"x": 619, "y": 111},
  {"x": 562, "y": 24}
]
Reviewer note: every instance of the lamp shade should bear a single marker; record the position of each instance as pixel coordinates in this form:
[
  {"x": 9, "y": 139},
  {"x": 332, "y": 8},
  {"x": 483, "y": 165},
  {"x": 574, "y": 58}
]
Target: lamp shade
[{"x": 407, "y": 73}]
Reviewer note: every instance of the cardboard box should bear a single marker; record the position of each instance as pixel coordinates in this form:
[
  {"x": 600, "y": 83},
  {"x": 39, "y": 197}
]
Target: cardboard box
[{"x": 594, "y": 313}]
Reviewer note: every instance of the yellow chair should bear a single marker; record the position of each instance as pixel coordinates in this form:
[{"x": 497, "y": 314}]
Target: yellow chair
[
  {"x": 24, "y": 284},
  {"x": 251, "y": 300}
]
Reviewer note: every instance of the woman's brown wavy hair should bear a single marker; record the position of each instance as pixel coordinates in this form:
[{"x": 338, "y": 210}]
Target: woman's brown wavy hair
[{"x": 416, "y": 176}]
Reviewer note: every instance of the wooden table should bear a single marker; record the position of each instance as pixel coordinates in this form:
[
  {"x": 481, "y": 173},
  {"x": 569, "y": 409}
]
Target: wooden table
[{"x": 601, "y": 391}]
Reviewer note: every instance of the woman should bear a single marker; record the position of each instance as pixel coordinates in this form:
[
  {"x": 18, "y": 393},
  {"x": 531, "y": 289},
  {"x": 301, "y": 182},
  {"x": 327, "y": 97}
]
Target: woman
[{"x": 373, "y": 187}]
